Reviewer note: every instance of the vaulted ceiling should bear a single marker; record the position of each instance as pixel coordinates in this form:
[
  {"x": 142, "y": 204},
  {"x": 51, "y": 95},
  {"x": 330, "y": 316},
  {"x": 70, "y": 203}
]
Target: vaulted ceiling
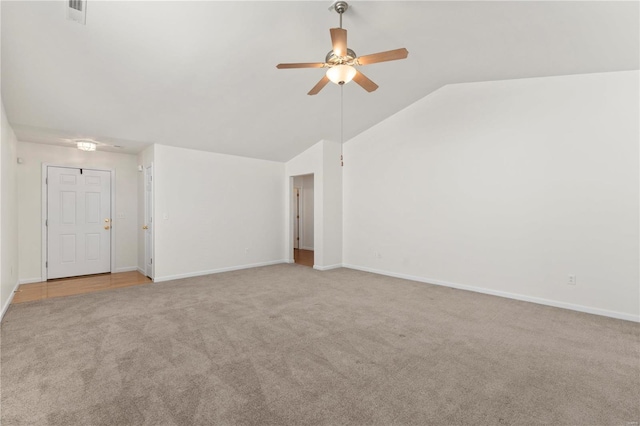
[{"x": 202, "y": 74}]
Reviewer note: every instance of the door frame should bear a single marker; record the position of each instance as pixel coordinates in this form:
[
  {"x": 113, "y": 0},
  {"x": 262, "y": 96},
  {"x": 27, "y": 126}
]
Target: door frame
[
  {"x": 296, "y": 218},
  {"x": 44, "y": 205},
  {"x": 144, "y": 219},
  {"x": 292, "y": 216}
]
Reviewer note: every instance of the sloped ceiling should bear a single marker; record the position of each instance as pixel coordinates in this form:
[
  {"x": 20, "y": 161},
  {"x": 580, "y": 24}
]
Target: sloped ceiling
[{"x": 202, "y": 74}]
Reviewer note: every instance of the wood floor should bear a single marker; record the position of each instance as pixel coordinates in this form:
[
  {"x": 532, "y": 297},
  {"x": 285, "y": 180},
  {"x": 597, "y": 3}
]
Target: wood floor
[
  {"x": 77, "y": 285},
  {"x": 303, "y": 257}
]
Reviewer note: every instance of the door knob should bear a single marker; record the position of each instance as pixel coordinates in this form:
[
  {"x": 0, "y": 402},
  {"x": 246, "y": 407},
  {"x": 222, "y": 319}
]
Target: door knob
[
  {"x": 145, "y": 227},
  {"x": 107, "y": 227}
]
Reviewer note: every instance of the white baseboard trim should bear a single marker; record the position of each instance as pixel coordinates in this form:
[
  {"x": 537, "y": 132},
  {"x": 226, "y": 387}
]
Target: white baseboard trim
[
  {"x": 217, "y": 271},
  {"x": 142, "y": 271},
  {"x": 524, "y": 298},
  {"x": 328, "y": 267},
  {"x": 126, "y": 269},
  {"x": 30, "y": 280},
  {"x": 8, "y": 303},
  {"x": 289, "y": 261}
]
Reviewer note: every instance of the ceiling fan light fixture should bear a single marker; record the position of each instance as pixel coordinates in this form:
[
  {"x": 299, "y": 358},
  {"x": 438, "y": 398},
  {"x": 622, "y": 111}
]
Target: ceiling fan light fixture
[
  {"x": 86, "y": 145},
  {"x": 341, "y": 74}
]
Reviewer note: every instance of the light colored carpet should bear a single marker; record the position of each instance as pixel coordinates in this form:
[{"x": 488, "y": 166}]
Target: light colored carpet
[{"x": 289, "y": 345}]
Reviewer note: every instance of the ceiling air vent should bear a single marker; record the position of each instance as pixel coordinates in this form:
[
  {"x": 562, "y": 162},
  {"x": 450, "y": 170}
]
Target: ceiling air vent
[{"x": 77, "y": 11}]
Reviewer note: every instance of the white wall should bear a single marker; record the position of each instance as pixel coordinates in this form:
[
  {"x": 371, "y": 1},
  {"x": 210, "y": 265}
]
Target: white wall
[
  {"x": 8, "y": 214},
  {"x": 215, "y": 212},
  {"x": 505, "y": 187},
  {"x": 29, "y": 175},
  {"x": 332, "y": 206},
  {"x": 323, "y": 161}
]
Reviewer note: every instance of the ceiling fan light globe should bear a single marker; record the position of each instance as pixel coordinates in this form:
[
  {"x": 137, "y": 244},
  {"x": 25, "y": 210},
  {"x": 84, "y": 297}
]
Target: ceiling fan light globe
[{"x": 341, "y": 74}]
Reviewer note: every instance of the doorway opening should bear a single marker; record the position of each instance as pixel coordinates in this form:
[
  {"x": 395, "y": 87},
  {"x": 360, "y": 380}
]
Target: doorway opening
[{"x": 303, "y": 220}]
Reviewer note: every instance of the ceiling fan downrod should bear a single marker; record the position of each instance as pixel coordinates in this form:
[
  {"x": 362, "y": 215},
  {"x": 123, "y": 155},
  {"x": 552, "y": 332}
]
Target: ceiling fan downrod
[{"x": 341, "y": 7}]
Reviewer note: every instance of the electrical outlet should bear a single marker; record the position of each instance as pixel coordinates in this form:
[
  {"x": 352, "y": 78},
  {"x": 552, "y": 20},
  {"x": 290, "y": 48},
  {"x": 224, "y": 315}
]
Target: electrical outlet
[
  {"x": 246, "y": 250},
  {"x": 571, "y": 279},
  {"x": 377, "y": 255},
  {"x": 120, "y": 215}
]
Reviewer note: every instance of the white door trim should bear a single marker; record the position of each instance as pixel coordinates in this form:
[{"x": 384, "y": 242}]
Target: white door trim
[
  {"x": 153, "y": 224},
  {"x": 44, "y": 213},
  {"x": 291, "y": 225}
]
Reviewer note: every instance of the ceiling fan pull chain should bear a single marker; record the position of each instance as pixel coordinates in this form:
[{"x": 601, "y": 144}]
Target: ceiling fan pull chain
[{"x": 341, "y": 121}]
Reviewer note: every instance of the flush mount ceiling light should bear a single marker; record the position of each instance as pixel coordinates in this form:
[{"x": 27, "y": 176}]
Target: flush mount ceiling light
[
  {"x": 86, "y": 145},
  {"x": 342, "y": 62}
]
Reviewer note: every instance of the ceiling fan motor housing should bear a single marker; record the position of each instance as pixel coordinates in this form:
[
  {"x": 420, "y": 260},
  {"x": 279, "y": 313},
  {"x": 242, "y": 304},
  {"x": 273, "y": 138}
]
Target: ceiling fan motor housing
[{"x": 333, "y": 59}]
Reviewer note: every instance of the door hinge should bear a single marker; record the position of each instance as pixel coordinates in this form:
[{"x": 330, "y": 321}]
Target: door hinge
[
  {"x": 151, "y": 260},
  {"x": 46, "y": 222},
  {"x": 46, "y": 264},
  {"x": 46, "y": 181}
]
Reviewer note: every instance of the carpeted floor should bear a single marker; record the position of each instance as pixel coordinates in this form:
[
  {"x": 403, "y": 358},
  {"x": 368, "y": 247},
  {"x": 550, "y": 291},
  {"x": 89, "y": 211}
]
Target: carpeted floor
[{"x": 289, "y": 345}]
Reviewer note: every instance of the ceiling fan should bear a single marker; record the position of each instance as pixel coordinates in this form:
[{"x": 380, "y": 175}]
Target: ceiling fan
[{"x": 342, "y": 61}]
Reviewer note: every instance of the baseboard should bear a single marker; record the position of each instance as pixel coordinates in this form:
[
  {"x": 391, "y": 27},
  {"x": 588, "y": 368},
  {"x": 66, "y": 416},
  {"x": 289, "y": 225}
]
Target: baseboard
[
  {"x": 30, "y": 280},
  {"x": 126, "y": 269},
  {"x": 328, "y": 267},
  {"x": 306, "y": 248},
  {"x": 9, "y": 300},
  {"x": 524, "y": 298},
  {"x": 217, "y": 271}
]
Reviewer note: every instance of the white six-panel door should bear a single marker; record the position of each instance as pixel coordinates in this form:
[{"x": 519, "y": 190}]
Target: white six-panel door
[{"x": 78, "y": 222}]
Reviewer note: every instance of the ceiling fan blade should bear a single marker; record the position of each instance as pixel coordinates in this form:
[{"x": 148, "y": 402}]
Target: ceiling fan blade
[
  {"x": 364, "y": 81},
  {"x": 301, "y": 65},
  {"x": 339, "y": 41},
  {"x": 318, "y": 87},
  {"x": 389, "y": 55}
]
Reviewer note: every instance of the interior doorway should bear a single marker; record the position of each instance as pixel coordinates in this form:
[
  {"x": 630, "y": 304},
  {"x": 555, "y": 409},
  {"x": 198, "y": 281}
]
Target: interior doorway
[
  {"x": 148, "y": 221},
  {"x": 77, "y": 221},
  {"x": 303, "y": 220}
]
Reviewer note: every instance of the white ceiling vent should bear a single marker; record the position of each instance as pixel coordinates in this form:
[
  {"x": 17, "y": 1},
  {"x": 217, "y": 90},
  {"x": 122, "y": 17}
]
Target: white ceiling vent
[{"x": 77, "y": 11}]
